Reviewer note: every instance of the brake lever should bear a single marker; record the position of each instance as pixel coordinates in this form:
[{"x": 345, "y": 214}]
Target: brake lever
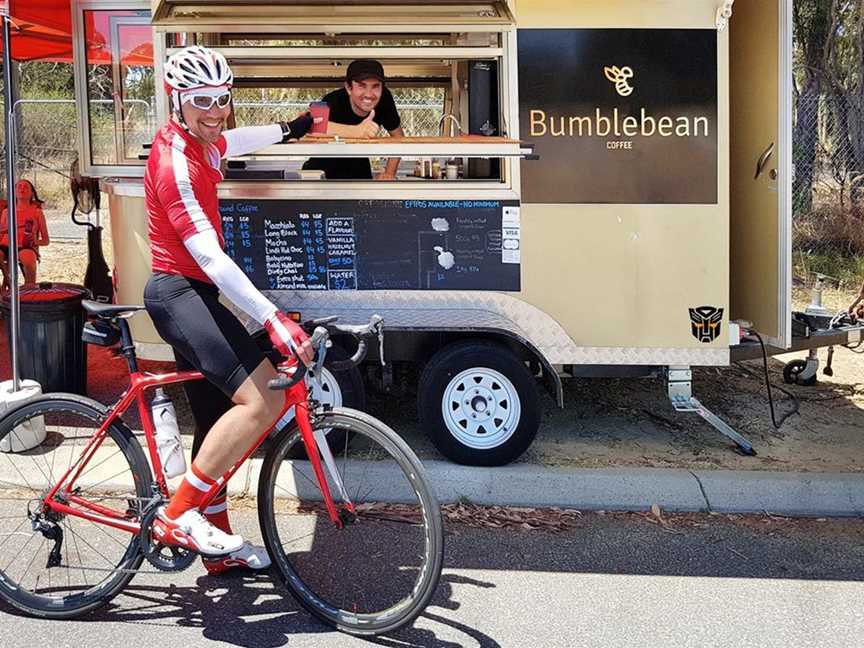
[{"x": 320, "y": 340}]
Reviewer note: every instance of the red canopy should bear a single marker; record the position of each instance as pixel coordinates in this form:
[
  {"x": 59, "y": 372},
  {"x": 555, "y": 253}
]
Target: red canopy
[{"x": 42, "y": 30}]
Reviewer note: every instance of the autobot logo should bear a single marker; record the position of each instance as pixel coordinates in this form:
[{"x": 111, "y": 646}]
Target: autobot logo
[
  {"x": 705, "y": 323},
  {"x": 620, "y": 77}
]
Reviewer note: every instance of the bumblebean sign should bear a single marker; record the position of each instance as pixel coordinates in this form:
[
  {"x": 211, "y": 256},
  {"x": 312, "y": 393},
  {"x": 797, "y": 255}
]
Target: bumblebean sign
[{"x": 625, "y": 116}]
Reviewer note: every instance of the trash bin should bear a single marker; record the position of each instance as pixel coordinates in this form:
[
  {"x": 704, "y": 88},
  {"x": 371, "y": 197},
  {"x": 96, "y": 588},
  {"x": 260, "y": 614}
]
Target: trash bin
[{"x": 50, "y": 348}]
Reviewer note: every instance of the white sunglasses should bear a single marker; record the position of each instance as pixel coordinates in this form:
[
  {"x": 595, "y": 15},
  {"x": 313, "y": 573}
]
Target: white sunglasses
[{"x": 206, "y": 101}]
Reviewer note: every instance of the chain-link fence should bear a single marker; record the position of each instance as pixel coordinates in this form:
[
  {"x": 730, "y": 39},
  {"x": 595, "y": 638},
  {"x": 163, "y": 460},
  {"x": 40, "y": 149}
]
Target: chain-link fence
[
  {"x": 421, "y": 109},
  {"x": 46, "y": 146},
  {"x": 828, "y": 188},
  {"x": 47, "y": 137}
]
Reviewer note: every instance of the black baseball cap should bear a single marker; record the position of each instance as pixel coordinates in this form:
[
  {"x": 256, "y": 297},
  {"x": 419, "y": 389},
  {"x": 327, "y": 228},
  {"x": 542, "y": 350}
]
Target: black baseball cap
[{"x": 363, "y": 69}]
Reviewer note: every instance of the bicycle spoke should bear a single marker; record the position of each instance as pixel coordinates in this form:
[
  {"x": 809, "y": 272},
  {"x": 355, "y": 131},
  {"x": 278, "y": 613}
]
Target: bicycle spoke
[
  {"x": 29, "y": 564},
  {"x": 292, "y": 494},
  {"x": 26, "y": 482},
  {"x": 77, "y": 550},
  {"x": 36, "y": 463},
  {"x": 312, "y": 481},
  {"x": 298, "y": 538},
  {"x": 15, "y": 531},
  {"x": 344, "y": 472},
  {"x": 101, "y": 528},
  {"x": 20, "y": 551},
  {"x": 92, "y": 468},
  {"x": 84, "y": 540},
  {"x": 107, "y": 479},
  {"x": 68, "y": 571},
  {"x": 53, "y": 455}
]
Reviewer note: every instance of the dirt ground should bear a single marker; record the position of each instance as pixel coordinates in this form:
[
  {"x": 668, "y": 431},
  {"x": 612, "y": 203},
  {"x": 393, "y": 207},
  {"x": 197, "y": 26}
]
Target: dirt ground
[{"x": 627, "y": 422}]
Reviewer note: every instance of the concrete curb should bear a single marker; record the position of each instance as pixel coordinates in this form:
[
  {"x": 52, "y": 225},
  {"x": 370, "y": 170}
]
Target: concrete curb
[
  {"x": 636, "y": 489},
  {"x": 796, "y": 494},
  {"x": 610, "y": 489}
]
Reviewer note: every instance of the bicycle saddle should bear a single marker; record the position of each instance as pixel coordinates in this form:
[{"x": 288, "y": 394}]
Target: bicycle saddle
[{"x": 108, "y": 311}]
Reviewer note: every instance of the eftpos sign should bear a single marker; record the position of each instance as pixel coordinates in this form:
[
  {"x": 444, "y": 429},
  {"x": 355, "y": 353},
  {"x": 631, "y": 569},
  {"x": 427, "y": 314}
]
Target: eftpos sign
[{"x": 619, "y": 115}]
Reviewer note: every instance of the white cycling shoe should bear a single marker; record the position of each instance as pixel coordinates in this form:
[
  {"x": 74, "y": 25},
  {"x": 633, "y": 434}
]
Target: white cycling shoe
[
  {"x": 191, "y": 530},
  {"x": 249, "y": 556}
]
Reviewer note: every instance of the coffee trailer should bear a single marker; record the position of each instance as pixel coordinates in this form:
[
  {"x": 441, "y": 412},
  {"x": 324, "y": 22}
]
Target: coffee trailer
[{"x": 625, "y": 194}]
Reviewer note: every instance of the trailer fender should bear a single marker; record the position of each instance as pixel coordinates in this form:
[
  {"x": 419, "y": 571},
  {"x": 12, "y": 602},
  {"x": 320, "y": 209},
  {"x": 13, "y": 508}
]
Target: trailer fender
[{"x": 443, "y": 336}]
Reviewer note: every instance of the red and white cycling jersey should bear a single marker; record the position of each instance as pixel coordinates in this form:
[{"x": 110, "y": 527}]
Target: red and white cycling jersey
[{"x": 180, "y": 188}]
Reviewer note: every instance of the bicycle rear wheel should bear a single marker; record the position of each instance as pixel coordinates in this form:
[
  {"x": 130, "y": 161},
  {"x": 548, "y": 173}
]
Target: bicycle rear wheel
[
  {"x": 377, "y": 572},
  {"x": 56, "y": 565}
]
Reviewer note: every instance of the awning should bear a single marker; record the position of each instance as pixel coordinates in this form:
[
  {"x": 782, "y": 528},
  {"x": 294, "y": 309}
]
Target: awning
[{"x": 43, "y": 31}]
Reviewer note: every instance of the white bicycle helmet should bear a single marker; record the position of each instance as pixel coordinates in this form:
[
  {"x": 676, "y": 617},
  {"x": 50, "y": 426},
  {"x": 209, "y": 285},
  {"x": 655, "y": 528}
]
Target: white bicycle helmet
[{"x": 195, "y": 67}]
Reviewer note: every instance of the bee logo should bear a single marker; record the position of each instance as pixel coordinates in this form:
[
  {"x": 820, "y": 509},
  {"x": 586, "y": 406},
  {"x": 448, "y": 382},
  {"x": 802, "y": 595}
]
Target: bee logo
[{"x": 620, "y": 77}]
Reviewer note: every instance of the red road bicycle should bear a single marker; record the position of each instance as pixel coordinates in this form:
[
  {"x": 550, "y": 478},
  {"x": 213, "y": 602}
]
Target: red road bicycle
[{"x": 347, "y": 514}]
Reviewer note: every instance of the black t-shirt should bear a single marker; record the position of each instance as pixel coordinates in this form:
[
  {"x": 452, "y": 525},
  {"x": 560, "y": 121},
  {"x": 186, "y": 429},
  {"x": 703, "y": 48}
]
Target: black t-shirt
[{"x": 341, "y": 112}]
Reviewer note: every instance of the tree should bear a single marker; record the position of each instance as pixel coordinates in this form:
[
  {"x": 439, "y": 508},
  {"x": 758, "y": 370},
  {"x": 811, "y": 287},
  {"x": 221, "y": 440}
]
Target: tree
[{"x": 816, "y": 27}]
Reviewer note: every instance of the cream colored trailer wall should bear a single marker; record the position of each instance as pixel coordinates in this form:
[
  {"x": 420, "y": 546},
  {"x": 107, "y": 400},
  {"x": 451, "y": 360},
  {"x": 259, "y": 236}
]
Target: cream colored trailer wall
[
  {"x": 626, "y": 275},
  {"x": 132, "y": 246}
]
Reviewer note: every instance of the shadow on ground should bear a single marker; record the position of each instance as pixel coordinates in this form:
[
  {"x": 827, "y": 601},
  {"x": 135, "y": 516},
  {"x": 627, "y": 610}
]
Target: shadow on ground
[{"x": 250, "y": 611}]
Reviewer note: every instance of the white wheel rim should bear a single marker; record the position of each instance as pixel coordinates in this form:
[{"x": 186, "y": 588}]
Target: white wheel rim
[
  {"x": 481, "y": 408},
  {"x": 328, "y": 393}
]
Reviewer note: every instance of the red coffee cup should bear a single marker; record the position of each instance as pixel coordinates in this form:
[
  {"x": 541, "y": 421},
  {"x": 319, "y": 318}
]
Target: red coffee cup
[{"x": 319, "y": 109}]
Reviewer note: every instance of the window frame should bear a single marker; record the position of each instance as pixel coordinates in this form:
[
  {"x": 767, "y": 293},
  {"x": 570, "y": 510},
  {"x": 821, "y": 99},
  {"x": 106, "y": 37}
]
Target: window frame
[{"x": 131, "y": 168}]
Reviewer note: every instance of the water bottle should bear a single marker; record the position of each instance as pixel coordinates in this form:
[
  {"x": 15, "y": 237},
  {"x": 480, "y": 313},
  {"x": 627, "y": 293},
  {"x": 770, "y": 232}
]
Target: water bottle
[{"x": 168, "y": 442}]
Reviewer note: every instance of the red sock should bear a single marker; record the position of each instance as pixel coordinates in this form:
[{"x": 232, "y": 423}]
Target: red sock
[
  {"x": 191, "y": 492},
  {"x": 217, "y": 512}
]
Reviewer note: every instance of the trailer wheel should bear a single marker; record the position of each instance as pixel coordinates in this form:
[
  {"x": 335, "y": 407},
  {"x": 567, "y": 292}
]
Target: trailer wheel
[
  {"x": 795, "y": 368},
  {"x": 478, "y": 403}
]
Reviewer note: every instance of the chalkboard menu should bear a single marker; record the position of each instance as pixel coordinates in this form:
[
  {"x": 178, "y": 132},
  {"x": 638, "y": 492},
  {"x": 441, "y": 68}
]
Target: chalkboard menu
[{"x": 375, "y": 244}]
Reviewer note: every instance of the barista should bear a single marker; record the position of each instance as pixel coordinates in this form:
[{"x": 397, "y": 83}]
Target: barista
[{"x": 358, "y": 111}]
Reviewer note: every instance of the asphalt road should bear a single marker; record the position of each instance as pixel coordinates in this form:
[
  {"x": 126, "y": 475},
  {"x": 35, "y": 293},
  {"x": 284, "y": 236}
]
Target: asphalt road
[{"x": 613, "y": 580}]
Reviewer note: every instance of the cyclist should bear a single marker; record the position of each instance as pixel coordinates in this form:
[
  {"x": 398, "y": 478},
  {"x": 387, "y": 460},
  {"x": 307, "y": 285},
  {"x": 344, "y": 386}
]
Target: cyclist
[{"x": 190, "y": 269}]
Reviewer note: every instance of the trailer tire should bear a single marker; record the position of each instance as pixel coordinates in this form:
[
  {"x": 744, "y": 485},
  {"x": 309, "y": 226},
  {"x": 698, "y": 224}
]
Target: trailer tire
[{"x": 499, "y": 420}]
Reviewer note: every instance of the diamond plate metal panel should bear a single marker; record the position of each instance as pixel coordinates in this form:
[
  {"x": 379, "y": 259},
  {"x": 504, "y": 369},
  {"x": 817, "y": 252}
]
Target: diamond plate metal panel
[{"x": 454, "y": 310}]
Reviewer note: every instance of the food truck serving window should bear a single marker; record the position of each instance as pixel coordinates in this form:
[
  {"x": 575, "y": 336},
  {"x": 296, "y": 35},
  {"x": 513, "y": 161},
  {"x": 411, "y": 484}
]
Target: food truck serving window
[{"x": 448, "y": 86}]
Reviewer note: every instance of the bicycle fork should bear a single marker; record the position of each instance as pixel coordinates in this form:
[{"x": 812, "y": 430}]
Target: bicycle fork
[{"x": 317, "y": 449}]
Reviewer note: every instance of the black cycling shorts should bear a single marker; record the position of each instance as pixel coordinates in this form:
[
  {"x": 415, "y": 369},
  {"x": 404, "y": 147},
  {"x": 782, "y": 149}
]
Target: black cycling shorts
[{"x": 187, "y": 314}]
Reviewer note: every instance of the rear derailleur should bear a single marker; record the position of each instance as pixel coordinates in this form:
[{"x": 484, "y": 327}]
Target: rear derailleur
[{"x": 48, "y": 525}]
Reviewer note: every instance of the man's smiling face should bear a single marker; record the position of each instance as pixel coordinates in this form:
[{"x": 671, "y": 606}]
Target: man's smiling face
[
  {"x": 364, "y": 95},
  {"x": 206, "y": 125}
]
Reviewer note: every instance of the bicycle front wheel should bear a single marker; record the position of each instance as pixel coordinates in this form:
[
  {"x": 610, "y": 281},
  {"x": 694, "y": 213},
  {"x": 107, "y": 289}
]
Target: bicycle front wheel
[
  {"x": 60, "y": 565},
  {"x": 379, "y": 570}
]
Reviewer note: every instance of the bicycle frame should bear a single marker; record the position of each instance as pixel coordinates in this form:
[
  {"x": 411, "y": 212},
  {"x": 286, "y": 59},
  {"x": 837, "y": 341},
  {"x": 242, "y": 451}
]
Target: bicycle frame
[{"x": 296, "y": 396}]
